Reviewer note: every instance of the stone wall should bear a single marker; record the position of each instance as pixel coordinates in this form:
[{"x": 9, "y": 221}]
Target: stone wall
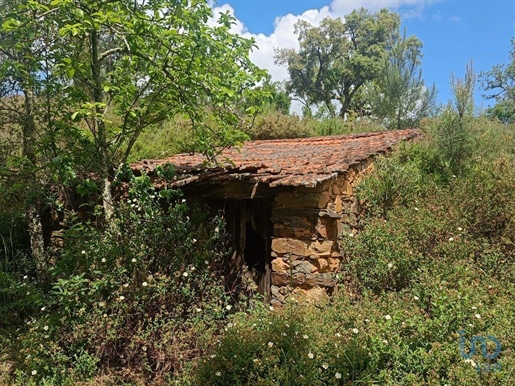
[{"x": 307, "y": 224}]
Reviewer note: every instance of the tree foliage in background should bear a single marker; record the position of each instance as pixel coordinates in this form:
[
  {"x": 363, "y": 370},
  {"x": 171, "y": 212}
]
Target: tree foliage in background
[
  {"x": 499, "y": 83},
  {"x": 399, "y": 96},
  {"x": 337, "y": 58}
]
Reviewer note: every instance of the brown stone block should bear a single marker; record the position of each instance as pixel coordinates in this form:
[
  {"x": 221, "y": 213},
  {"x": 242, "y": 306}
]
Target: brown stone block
[
  {"x": 293, "y": 231},
  {"x": 347, "y": 188},
  {"x": 334, "y": 264},
  {"x": 321, "y": 229},
  {"x": 286, "y": 245},
  {"x": 323, "y": 199},
  {"x": 279, "y": 265},
  {"x": 323, "y": 265},
  {"x": 321, "y": 248},
  {"x": 304, "y": 280},
  {"x": 338, "y": 205}
]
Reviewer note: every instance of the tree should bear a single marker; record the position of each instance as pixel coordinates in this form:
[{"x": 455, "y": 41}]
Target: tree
[
  {"x": 94, "y": 74},
  {"x": 499, "y": 82},
  {"x": 399, "y": 95},
  {"x": 338, "y": 57}
]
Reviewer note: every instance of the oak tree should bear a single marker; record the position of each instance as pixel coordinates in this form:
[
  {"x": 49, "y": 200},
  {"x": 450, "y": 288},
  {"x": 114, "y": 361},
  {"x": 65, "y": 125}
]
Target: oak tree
[{"x": 338, "y": 57}]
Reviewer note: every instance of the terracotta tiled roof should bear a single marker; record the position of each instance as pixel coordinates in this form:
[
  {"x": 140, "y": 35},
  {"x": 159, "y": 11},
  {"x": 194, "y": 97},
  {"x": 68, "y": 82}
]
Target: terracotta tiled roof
[{"x": 288, "y": 162}]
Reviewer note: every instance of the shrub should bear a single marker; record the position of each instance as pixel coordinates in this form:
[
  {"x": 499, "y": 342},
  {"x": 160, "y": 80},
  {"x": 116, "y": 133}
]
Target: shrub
[
  {"x": 141, "y": 298},
  {"x": 285, "y": 348},
  {"x": 273, "y": 124}
]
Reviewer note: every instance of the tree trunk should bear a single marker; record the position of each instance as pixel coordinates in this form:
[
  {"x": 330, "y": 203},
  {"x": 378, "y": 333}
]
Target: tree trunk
[
  {"x": 99, "y": 124},
  {"x": 33, "y": 212}
]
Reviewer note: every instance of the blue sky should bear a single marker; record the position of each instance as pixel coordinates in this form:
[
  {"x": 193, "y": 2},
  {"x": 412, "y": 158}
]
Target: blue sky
[{"x": 453, "y": 32}]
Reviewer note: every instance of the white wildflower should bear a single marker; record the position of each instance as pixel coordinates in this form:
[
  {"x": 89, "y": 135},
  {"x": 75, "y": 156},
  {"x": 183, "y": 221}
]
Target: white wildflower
[
  {"x": 218, "y": 374},
  {"x": 133, "y": 260},
  {"x": 305, "y": 336},
  {"x": 416, "y": 297},
  {"x": 387, "y": 317},
  {"x": 355, "y": 330},
  {"x": 385, "y": 341},
  {"x": 338, "y": 335},
  {"x": 474, "y": 308},
  {"x": 351, "y": 234},
  {"x": 43, "y": 308},
  {"x": 270, "y": 344},
  {"x": 390, "y": 265},
  {"x": 416, "y": 209},
  {"x": 199, "y": 310},
  {"x": 83, "y": 252},
  {"x": 338, "y": 376},
  {"x": 144, "y": 284},
  {"x": 125, "y": 285},
  {"x": 103, "y": 260},
  {"x": 310, "y": 355},
  {"x": 34, "y": 372},
  {"x": 228, "y": 307},
  {"x": 121, "y": 298},
  {"x": 185, "y": 274},
  {"x": 144, "y": 348},
  {"x": 325, "y": 366},
  {"x": 271, "y": 308},
  {"x": 477, "y": 316},
  {"x": 472, "y": 363},
  {"x": 460, "y": 229},
  {"x": 451, "y": 238}
]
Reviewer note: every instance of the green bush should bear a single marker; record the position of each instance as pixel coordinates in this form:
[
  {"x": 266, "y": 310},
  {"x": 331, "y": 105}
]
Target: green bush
[
  {"x": 141, "y": 298},
  {"x": 19, "y": 293},
  {"x": 285, "y": 348},
  {"x": 273, "y": 124}
]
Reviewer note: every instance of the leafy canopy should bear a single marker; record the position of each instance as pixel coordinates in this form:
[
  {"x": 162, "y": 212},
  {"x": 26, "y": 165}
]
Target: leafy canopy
[
  {"x": 399, "y": 96},
  {"x": 337, "y": 58},
  {"x": 499, "y": 83},
  {"x": 116, "y": 68}
]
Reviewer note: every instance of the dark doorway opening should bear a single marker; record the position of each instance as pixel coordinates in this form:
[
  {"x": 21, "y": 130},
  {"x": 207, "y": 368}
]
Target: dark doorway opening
[
  {"x": 255, "y": 249},
  {"x": 249, "y": 222}
]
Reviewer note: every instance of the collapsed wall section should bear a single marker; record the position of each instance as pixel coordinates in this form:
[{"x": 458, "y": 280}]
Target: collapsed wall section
[{"x": 307, "y": 224}]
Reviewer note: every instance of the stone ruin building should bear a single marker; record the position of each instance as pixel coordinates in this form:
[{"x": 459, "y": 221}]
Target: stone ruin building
[{"x": 286, "y": 204}]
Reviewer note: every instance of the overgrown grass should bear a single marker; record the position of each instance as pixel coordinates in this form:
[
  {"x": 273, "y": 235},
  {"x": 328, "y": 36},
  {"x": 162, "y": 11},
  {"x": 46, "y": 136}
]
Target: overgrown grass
[
  {"x": 138, "y": 304},
  {"x": 435, "y": 258}
]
